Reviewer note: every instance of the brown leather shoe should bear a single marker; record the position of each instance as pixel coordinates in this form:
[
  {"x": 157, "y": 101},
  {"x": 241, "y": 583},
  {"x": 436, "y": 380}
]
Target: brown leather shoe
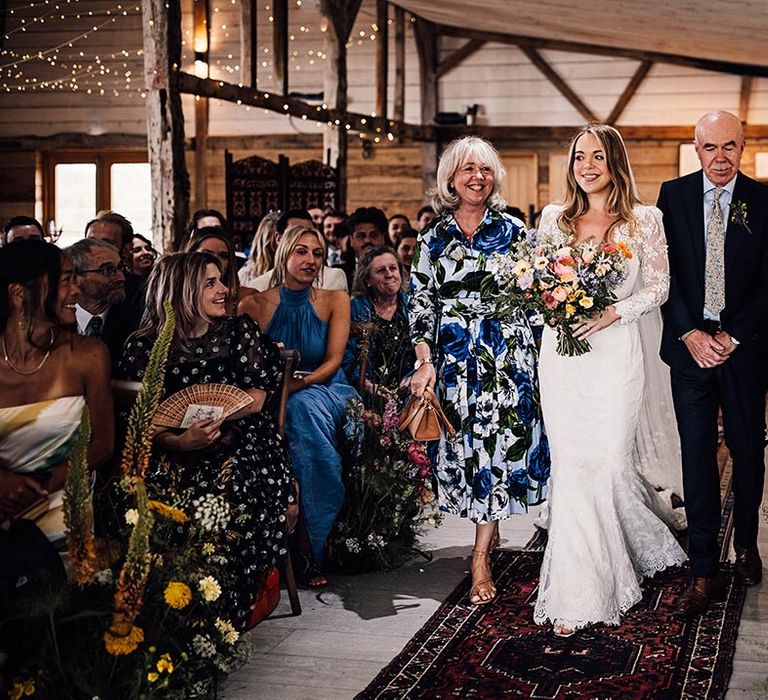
[
  {"x": 748, "y": 566},
  {"x": 699, "y": 595}
]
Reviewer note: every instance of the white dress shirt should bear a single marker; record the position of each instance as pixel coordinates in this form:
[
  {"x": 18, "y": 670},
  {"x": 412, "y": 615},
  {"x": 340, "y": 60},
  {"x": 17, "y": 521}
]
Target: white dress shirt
[{"x": 84, "y": 317}]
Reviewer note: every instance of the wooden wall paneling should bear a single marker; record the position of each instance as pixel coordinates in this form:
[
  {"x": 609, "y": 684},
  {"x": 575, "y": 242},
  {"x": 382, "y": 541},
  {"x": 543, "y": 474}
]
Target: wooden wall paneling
[
  {"x": 629, "y": 91},
  {"x": 165, "y": 121},
  {"x": 563, "y": 88}
]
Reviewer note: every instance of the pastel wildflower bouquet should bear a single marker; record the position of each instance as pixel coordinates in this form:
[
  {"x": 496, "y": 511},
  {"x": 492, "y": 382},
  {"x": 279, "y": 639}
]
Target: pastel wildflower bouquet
[
  {"x": 566, "y": 284},
  {"x": 389, "y": 495}
]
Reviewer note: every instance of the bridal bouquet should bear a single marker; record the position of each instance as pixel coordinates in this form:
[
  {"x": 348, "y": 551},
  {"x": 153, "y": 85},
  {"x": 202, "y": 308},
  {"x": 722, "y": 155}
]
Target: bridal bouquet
[{"x": 565, "y": 283}]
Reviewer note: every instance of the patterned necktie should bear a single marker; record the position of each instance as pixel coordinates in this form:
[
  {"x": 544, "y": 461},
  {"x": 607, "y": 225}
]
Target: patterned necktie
[
  {"x": 94, "y": 327},
  {"x": 714, "y": 281}
]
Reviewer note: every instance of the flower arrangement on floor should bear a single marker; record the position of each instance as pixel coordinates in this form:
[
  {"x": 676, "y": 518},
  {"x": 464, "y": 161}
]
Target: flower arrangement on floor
[
  {"x": 565, "y": 283},
  {"x": 389, "y": 494},
  {"x": 148, "y": 619}
]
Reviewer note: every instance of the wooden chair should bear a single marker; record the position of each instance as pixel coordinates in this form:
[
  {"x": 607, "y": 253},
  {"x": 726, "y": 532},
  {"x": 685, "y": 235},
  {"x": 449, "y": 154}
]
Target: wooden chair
[{"x": 124, "y": 395}]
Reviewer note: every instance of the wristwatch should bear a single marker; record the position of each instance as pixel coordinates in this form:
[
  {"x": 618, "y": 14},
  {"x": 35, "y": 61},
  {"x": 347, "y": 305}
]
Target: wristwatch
[{"x": 424, "y": 361}]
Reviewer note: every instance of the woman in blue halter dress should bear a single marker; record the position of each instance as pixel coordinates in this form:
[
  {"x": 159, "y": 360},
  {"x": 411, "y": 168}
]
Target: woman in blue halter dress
[{"x": 296, "y": 313}]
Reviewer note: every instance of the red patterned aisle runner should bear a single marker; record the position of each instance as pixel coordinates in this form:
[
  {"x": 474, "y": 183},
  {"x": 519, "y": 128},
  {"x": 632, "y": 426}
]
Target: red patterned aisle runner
[{"x": 497, "y": 651}]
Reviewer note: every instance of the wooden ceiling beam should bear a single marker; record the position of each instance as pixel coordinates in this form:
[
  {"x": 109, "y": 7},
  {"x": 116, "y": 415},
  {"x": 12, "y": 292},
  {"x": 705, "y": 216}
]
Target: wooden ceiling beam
[
  {"x": 745, "y": 97},
  {"x": 459, "y": 56},
  {"x": 398, "y": 109},
  {"x": 564, "y": 134},
  {"x": 373, "y": 126},
  {"x": 709, "y": 64},
  {"x": 629, "y": 92},
  {"x": 562, "y": 87}
]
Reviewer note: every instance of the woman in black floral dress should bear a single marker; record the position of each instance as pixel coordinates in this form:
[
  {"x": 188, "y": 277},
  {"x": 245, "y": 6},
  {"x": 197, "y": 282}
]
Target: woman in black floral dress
[{"x": 243, "y": 458}]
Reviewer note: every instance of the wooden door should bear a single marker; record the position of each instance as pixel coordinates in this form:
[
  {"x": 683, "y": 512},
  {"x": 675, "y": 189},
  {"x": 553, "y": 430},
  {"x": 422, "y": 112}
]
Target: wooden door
[{"x": 522, "y": 179}]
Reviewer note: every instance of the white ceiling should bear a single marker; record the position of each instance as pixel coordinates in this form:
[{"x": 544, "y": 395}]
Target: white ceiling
[{"x": 731, "y": 30}]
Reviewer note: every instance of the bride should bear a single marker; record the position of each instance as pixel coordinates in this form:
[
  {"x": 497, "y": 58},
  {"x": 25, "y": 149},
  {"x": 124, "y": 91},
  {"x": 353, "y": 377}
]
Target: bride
[{"x": 608, "y": 528}]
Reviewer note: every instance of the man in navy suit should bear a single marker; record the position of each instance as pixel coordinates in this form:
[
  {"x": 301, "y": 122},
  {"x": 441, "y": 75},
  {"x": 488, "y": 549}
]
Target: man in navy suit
[{"x": 716, "y": 222}]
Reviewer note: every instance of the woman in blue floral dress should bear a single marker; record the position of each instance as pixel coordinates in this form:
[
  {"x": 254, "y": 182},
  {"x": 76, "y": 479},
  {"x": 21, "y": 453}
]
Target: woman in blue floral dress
[{"x": 484, "y": 367}]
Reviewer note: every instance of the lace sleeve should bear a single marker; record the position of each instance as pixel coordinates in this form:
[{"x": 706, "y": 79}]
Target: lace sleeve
[{"x": 654, "y": 268}]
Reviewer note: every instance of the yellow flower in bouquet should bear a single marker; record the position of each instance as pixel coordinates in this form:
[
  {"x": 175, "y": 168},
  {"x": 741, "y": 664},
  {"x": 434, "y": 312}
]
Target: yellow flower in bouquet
[
  {"x": 22, "y": 689},
  {"x": 123, "y": 638},
  {"x": 177, "y": 595},
  {"x": 164, "y": 664},
  {"x": 166, "y": 511}
]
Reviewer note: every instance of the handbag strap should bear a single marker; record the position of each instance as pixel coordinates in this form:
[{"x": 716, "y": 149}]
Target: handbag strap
[{"x": 439, "y": 411}]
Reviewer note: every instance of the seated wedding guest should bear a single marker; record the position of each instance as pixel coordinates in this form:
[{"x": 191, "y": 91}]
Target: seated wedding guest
[
  {"x": 262, "y": 255},
  {"x": 314, "y": 321},
  {"x": 143, "y": 255},
  {"x": 368, "y": 228},
  {"x": 336, "y": 237},
  {"x": 329, "y": 278},
  {"x": 378, "y": 299},
  {"x": 47, "y": 375},
  {"x": 204, "y": 218},
  {"x": 317, "y": 215},
  {"x": 114, "y": 228},
  {"x": 241, "y": 459},
  {"x": 21, "y": 227},
  {"x": 215, "y": 241},
  {"x": 396, "y": 224},
  {"x": 424, "y": 217},
  {"x": 102, "y": 310},
  {"x": 405, "y": 245}
]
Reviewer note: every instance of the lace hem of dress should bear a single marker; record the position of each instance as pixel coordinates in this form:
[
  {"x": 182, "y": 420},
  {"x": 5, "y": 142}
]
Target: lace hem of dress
[{"x": 647, "y": 568}]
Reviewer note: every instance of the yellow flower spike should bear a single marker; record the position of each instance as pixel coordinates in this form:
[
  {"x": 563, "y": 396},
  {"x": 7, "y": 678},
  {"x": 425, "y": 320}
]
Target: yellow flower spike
[
  {"x": 177, "y": 595},
  {"x": 166, "y": 511},
  {"x": 152, "y": 676}
]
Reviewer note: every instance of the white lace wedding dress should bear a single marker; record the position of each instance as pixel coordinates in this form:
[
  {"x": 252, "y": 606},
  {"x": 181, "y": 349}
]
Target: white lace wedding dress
[{"x": 608, "y": 528}]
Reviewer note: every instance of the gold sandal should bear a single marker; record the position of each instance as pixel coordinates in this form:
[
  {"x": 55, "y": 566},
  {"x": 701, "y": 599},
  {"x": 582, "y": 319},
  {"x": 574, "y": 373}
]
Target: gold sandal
[{"x": 482, "y": 586}]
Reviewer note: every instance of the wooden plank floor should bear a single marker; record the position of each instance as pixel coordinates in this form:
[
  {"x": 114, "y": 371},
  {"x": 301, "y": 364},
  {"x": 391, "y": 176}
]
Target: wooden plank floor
[{"x": 348, "y": 632}]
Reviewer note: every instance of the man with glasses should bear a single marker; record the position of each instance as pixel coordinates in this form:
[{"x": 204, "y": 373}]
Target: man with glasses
[
  {"x": 114, "y": 228},
  {"x": 102, "y": 310},
  {"x": 367, "y": 227}
]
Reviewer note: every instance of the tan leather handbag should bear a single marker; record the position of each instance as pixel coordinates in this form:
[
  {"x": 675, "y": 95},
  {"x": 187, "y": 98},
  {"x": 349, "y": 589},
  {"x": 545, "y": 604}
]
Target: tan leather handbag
[{"x": 424, "y": 417}]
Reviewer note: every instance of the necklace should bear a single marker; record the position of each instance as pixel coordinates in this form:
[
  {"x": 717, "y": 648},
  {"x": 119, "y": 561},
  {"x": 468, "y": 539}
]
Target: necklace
[{"x": 27, "y": 372}]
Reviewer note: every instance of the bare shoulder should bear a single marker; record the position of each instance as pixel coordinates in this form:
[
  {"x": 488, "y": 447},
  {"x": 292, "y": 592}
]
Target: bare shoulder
[
  {"x": 257, "y": 302},
  {"x": 333, "y": 298}
]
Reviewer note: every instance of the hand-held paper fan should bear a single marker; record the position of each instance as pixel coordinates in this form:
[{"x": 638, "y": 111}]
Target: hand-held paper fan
[{"x": 198, "y": 402}]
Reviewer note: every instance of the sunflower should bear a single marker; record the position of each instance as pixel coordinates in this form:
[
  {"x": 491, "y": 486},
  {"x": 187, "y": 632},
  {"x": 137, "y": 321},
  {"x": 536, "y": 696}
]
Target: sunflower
[{"x": 123, "y": 638}]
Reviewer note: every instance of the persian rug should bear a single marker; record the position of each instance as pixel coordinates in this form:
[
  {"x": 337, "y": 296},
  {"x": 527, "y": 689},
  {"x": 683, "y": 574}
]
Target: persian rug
[{"x": 497, "y": 651}]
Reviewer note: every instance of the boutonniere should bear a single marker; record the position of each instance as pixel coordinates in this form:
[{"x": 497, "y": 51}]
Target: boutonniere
[
  {"x": 739, "y": 214},
  {"x": 455, "y": 251}
]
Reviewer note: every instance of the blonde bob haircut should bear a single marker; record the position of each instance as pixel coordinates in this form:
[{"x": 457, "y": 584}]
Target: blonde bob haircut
[
  {"x": 459, "y": 152},
  {"x": 623, "y": 195},
  {"x": 288, "y": 241},
  {"x": 179, "y": 279}
]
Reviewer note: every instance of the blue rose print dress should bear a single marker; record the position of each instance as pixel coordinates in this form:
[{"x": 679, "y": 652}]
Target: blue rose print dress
[{"x": 498, "y": 464}]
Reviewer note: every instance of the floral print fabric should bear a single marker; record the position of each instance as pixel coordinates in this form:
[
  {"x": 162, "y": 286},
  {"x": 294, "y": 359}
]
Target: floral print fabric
[{"x": 486, "y": 367}]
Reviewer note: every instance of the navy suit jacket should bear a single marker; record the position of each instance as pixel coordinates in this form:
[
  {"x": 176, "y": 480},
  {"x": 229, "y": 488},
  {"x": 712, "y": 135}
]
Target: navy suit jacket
[{"x": 746, "y": 267}]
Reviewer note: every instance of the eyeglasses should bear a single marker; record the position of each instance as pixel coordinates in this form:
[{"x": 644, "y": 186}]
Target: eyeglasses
[{"x": 107, "y": 269}]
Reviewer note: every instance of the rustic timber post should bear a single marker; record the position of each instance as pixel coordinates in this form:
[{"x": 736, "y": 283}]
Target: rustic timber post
[
  {"x": 426, "y": 43},
  {"x": 165, "y": 121},
  {"x": 249, "y": 58},
  {"x": 382, "y": 57},
  {"x": 341, "y": 17},
  {"x": 280, "y": 45},
  {"x": 398, "y": 109},
  {"x": 201, "y": 41}
]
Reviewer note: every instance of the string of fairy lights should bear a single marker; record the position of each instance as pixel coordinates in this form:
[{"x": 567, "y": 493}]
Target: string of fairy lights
[{"x": 73, "y": 63}]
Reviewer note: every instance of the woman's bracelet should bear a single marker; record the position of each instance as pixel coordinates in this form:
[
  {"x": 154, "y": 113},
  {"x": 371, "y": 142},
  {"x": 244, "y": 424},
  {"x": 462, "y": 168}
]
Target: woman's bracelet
[{"x": 422, "y": 361}]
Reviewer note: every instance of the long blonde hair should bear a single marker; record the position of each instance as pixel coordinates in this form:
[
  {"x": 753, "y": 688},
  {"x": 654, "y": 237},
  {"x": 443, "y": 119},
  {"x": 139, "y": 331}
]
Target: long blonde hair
[
  {"x": 263, "y": 245},
  {"x": 288, "y": 242},
  {"x": 177, "y": 278},
  {"x": 623, "y": 195}
]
